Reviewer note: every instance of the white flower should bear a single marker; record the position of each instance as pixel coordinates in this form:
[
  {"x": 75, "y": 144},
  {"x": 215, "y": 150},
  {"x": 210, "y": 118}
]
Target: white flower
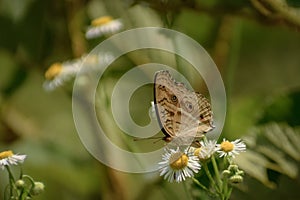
[
  {"x": 231, "y": 149},
  {"x": 178, "y": 165},
  {"x": 103, "y": 26},
  {"x": 9, "y": 158},
  {"x": 59, "y": 73},
  {"x": 207, "y": 149}
]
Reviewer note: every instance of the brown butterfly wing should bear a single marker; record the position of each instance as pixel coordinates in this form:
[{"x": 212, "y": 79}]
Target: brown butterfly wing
[
  {"x": 165, "y": 103},
  {"x": 180, "y": 112}
]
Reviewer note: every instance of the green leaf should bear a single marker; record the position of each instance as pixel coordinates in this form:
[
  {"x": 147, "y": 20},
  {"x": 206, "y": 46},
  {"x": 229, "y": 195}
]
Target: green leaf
[{"x": 272, "y": 147}]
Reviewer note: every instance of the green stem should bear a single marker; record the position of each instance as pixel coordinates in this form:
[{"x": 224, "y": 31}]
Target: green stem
[
  {"x": 211, "y": 178},
  {"x": 225, "y": 189},
  {"x": 228, "y": 194},
  {"x": 10, "y": 175},
  {"x": 203, "y": 186},
  {"x": 11, "y": 180},
  {"x": 25, "y": 193},
  {"x": 5, "y": 193},
  {"x": 225, "y": 161},
  {"x": 29, "y": 178},
  {"x": 217, "y": 174},
  {"x": 200, "y": 184}
]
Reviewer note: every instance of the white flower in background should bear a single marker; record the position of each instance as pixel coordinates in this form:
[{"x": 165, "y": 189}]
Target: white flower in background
[
  {"x": 178, "y": 165},
  {"x": 231, "y": 149},
  {"x": 103, "y": 26},
  {"x": 9, "y": 158},
  {"x": 59, "y": 73},
  {"x": 207, "y": 149}
]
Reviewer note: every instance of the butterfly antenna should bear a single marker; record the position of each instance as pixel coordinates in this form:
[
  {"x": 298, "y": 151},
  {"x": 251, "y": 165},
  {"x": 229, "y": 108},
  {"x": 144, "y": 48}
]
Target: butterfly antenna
[{"x": 159, "y": 139}]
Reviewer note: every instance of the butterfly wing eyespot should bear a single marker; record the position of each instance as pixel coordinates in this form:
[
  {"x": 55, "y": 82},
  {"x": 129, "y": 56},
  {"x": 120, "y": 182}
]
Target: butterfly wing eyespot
[
  {"x": 174, "y": 98},
  {"x": 188, "y": 106},
  {"x": 181, "y": 113}
]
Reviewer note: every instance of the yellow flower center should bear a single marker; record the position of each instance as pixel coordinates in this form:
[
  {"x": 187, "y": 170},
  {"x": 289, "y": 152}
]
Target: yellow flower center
[
  {"x": 6, "y": 154},
  {"x": 197, "y": 151},
  {"x": 178, "y": 161},
  {"x": 101, "y": 20},
  {"x": 53, "y": 71},
  {"x": 227, "y": 146}
]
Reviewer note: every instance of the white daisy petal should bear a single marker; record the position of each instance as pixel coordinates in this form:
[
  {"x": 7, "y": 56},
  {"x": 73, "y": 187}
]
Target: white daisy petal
[
  {"x": 9, "y": 158},
  {"x": 177, "y": 165},
  {"x": 103, "y": 26},
  {"x": 231, "y": 149},
  {"x": 59, "y": 73}
]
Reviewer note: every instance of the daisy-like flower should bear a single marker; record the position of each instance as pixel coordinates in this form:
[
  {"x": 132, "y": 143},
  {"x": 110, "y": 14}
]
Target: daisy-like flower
[
  {"x": 231, "y": 149},
  {"x": 9, "y": 158},
  {"x": 59, "y": 73},
  {"x": 207, "y": 149},
  {"x": 103, "y": 26},
  {"x": 178, "y": 165}
]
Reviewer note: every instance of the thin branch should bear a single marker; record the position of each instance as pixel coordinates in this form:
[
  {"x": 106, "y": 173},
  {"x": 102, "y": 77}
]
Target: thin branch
[
  {"x": 290, "y": 14},
  {"x": 261, "y": 8},
  {"x": 261, "y": 12}
]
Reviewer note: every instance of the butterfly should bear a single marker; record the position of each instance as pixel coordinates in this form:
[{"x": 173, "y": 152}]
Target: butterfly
[{"x": 183, "y": 115}]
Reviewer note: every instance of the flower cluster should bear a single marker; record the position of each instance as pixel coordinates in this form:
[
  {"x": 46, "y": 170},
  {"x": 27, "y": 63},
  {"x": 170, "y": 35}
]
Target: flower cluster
[
  {"x": 61, "y": 72},
  {"x": 184, "y": 162},
  {"x": 23, "y": 188},
  {"x": 190, "y": 162},
  {"x": 233, "y": 173}
]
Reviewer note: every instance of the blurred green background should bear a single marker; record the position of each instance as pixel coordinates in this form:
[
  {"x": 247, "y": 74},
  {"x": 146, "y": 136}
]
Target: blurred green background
[{"x": 255, "y": 44}]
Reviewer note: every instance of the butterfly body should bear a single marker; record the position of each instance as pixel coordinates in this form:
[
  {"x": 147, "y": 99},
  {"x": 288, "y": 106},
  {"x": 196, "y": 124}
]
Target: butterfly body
[{"x": 181, "y": 113}]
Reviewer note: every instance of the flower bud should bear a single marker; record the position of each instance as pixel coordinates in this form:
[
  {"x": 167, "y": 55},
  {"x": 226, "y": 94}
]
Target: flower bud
[
  {"x": 20, "y": 184},
  {"x": 226, "y": 173},
  {"x": 240, "y": 172},
  {"x": 233, "y": 168},
  {"x": 236, "y": 179},
  {"x": 38, "y": 188}
]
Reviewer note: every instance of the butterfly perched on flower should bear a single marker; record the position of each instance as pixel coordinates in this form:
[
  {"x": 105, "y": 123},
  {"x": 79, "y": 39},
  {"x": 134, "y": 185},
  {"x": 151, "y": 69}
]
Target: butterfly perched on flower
[{"x": 183, "y": 115}]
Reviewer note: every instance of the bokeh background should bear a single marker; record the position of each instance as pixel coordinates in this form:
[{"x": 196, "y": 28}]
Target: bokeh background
[{"x": 254, "y": 43}]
